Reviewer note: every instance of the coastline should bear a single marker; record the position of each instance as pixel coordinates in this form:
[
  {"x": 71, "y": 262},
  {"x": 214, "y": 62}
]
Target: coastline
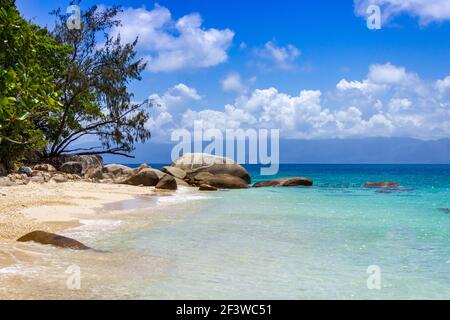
[{"x": 88, "y": 212}]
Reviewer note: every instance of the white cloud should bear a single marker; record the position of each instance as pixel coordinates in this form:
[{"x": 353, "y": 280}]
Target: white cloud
[
  {"x": 170, "y": 45},
  {"x": 232, "y": 83},
  {"x": 426, "y": 10},
  {"x": 352, "y": 110},
  {"x": 443, "y": 85},
  {"x": 278, "y": 57},
  {"x": 397, "y": 105}
]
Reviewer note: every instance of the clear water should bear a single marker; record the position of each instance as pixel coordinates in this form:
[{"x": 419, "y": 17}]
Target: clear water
[
  {"x": 268, "y": 243},
  {"x": 311, "y": 243}
]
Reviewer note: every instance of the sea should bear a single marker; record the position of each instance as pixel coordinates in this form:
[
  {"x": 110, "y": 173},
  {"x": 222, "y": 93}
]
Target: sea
[{"x": 335, "y": 240}]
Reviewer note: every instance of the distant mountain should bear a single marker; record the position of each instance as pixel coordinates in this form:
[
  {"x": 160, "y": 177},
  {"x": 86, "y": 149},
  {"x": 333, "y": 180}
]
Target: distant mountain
[{"x": 368, "y": 150}]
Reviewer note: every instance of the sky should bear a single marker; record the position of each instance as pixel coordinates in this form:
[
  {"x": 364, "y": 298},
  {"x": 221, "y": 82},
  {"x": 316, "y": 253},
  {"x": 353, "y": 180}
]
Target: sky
[{"x": 312, "y": 69}]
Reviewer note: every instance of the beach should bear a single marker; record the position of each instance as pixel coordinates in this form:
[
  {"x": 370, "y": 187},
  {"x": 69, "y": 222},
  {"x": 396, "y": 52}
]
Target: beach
[{"x": 260, "y": 243}]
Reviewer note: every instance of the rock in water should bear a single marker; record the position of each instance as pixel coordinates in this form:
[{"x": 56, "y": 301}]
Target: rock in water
[
  {"x": 174, "y": 171},
  {"x": 43, "y": 237},
  {"x": 384, "y": 184},
  {"x": 195, "y": 163},
  {"x": 72, "y": 167},
  {"x": 167, "y": 183},
  {"x": 226, "y": 181},
  {"x": 147, "y": 177},
  {"x": 285, "y": 182},
  {"x": 26, "y": 170}
]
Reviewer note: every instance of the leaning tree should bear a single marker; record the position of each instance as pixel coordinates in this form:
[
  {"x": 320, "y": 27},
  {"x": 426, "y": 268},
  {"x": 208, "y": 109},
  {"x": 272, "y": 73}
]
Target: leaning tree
[{"x": 95, "y": 98}]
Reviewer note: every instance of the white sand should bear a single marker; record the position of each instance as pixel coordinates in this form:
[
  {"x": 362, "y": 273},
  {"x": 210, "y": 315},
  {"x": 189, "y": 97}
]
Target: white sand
[{"x": 53, "y": 207}]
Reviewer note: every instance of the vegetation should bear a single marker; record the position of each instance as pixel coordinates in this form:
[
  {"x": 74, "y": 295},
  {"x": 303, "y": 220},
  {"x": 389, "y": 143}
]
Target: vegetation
[{"x": 57, "y": 87}]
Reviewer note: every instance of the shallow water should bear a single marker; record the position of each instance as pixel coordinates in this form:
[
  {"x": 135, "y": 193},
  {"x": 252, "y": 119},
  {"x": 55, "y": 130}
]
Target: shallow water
[{"x": 272, "y": 243}]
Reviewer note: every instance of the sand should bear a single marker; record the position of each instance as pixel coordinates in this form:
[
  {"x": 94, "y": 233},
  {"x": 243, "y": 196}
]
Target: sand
[{"x": 54, "y": 207}]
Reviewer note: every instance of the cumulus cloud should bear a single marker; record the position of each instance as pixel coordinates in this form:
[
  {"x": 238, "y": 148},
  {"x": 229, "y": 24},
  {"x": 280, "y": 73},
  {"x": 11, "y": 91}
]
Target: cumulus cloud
[
  {"x": 425, "y": 10},
  {"x": 232, "y": 83},
  {"x": 278, "y": 57},
  {"x": 354, "y": 109},
  {"x": 170, "y": 45},
  {"x": 443, "y": 85}
]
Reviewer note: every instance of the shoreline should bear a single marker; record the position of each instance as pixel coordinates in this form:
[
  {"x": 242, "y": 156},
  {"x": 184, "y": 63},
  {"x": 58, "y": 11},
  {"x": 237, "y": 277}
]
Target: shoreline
[{"x": 57, "y": 208}]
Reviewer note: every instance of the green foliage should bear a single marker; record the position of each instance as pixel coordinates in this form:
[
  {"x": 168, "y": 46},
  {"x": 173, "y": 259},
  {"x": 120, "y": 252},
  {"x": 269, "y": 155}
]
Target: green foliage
[{"x": 28, "y": 56}]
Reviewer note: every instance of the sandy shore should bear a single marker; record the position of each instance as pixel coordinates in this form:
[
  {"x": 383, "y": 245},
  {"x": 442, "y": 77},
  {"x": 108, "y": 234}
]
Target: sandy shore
[{"x": 54, "y": 207}]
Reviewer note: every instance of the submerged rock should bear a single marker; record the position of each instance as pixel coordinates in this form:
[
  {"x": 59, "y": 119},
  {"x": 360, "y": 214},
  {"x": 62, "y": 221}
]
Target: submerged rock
[
  {"x": 56, "y": 240},
  {"x": 285, "y": 182},
  {"x": 167, "y": 183},
  {"x": 388, "y": 184},
  {"x": 226, "y": 181}
]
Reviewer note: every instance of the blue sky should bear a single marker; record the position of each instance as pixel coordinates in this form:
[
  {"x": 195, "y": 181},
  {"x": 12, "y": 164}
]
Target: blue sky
[{"x": 310, "y": 68}]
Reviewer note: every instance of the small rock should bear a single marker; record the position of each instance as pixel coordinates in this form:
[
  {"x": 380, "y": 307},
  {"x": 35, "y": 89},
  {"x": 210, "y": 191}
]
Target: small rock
[
  {"x": 94, "y": 173},
  {"x": 175, "y": 172},
  {"x": 44, "y": 167},
  {"x": 37, "y": 179},
  {"x": 146, "y": 177},
  {"x": 43, "y": 237},
  {"x": 26, "y": 170},
  {"x": 207, "y": 187},
  {"x": 59, "y": 178},
  {"x": 285, "y": 182},
  {"x": 6, "y": 182},
  {"x": 226, "y": 181},
  {"x": 72, "y": 167},
  {"x": 167, "y": 183}
]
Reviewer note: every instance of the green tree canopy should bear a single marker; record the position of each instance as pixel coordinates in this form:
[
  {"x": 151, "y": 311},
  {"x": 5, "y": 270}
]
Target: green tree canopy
[{"x": 28, "y": 95}]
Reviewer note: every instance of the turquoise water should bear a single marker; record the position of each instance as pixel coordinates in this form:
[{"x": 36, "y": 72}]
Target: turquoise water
[{"x": 309, "y": 243}]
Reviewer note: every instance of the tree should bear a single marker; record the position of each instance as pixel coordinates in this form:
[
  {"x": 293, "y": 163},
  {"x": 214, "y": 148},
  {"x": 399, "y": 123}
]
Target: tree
[
  {"x": 28, "y": 94},
  {"x": 95, "y": 97}
]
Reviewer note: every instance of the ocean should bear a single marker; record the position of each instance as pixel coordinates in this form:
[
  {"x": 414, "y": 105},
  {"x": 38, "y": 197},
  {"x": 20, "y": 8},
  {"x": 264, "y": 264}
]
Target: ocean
[
  {"x": 310, "y": 243},
  {"x": 335, "y": 240}
]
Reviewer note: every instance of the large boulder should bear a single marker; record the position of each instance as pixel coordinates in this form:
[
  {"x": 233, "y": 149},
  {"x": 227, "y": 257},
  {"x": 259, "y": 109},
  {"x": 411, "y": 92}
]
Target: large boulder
[
  {"x": 175, "y": 172},
  {"x": 384, "y": 184},
  {"x": 86, "y": 161},
  {"x": 117, "y": 169},
  {"x": 226, "y": 181},
  {"x": 44, "y": 167},
  {"x": 72, "y": 167},
  {"x": 146, "y": 177},
  {"x": 285, "y": 182},
  {"x": 167, "y": 183},
  {"x": 43, "y": 237},
  {"x": 195, "y": 163}
]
